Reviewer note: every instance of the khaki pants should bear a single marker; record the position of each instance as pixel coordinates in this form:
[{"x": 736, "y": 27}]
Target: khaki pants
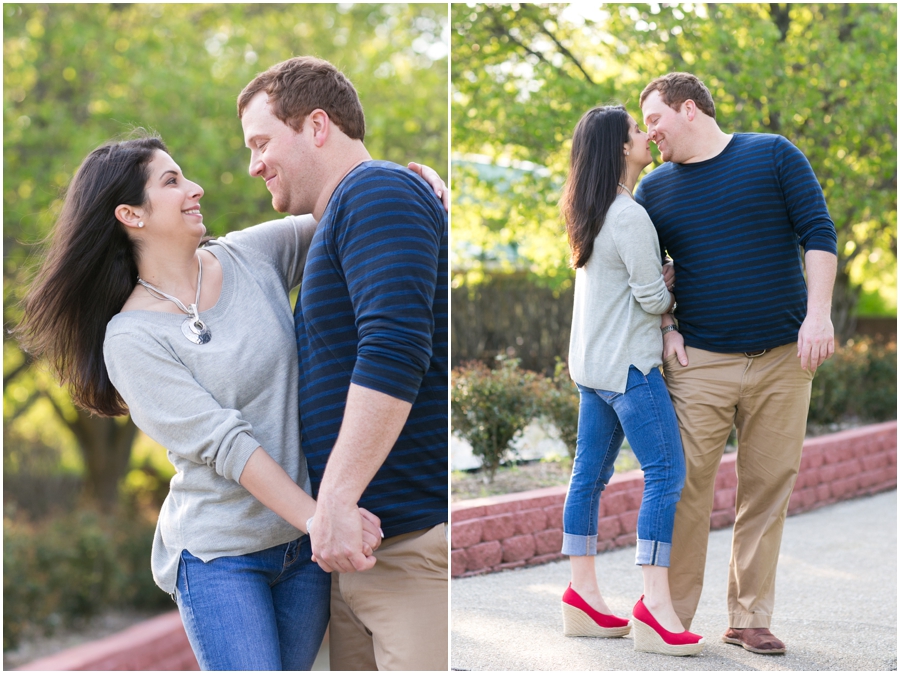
[
  {"x": 767, "y": 399},
  {"x": 394, "y": 616}
]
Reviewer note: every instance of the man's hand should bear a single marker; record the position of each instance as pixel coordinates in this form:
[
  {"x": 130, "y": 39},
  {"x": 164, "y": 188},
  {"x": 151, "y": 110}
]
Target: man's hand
[
  {"x": 430, "y": 176},
  {"x": 673, "y": 342},
  {"x": 371, "y": 532},
  {"x": 668, "y": 271},
  {"x": 336, "y": 536},
  {"x": 815, "y": 341},
  {"x": 372, "y": 422}
]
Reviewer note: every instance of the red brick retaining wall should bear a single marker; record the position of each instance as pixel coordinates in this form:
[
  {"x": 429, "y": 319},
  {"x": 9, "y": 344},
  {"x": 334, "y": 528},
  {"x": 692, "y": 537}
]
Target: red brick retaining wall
[
  {"x": 505, "y": 532},
  {"x": 158, "y": 644}
]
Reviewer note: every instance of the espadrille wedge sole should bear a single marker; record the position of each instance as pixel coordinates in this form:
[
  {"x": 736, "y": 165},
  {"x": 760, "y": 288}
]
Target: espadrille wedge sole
[
  {"x": 648, "y": 640},
  {"x": 577, "y": 623}
]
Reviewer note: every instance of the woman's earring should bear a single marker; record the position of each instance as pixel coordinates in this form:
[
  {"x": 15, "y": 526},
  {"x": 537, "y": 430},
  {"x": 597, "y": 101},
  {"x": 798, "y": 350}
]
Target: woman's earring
[
  {"x": 626, "y": 153},
  {"x": 141, "y": 224}
]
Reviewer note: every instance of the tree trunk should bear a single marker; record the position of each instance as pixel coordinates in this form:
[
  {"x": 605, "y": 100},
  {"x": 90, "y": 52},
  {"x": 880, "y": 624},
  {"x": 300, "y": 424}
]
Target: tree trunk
[
  {"x": 104, "y": 443},
  {"x": 105, "y": 446}
]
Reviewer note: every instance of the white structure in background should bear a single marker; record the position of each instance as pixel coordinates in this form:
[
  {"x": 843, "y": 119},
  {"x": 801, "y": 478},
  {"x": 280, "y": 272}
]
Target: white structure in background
[{"x": 537, "y": 441}]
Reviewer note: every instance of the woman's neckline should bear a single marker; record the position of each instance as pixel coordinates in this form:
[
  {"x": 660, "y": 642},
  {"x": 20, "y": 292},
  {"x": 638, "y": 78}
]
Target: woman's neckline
[{"x": 177, "y": 312}]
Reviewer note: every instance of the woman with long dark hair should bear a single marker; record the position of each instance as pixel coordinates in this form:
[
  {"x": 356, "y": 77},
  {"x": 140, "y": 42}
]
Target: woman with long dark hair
[
  {"x": 197, "y": 343},
  {"x": 615, "y": 353}
]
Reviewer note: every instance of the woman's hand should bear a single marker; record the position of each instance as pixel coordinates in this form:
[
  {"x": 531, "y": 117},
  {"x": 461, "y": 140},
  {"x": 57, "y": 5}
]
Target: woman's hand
[
  {"x": 668, "y": 271},
  {"x": 372, "y": 533},
  {"x": 673, "y": 342},
  {"x": 430, "y": 176}
]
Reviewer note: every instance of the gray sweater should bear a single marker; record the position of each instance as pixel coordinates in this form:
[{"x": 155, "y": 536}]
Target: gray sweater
[
  {"x": 619, "y": 296},
  {"x": 212, "y": 405}
]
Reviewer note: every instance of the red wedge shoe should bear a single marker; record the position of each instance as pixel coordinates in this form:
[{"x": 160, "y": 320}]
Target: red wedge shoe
[
  {"x": 580, "y": 620},
  {"x": 651, "y": 637}
]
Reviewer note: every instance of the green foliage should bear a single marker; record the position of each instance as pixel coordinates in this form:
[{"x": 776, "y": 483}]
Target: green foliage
[
  {"x": 559, "y": 403},
  {"x": 490, "y": 407},
  {"x": 76, "y": 75},
  {"x": 69, "y": 568},
  {"x": 859, "y": 382},
  {"x": 824, "y": 76}
]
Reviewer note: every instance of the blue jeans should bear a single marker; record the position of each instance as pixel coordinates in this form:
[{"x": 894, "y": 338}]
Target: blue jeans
[
  {"x": 645, "y": 414},
  {"x": 266, "y": 610}
]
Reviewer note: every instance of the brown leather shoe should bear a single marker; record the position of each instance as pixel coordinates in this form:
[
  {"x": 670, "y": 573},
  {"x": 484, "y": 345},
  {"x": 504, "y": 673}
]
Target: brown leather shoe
[{"x": 755, "y": 639}]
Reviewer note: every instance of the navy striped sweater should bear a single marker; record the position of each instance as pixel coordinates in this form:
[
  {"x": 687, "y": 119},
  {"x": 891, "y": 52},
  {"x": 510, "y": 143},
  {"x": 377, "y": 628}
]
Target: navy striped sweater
[
  {"x": 372, "y": 311},
  {"x": 734, "y": 226}
]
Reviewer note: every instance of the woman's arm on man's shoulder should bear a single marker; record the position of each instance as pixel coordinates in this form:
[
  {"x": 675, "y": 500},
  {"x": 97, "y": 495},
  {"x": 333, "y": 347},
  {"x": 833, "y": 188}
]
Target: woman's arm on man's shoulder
[{"x": 285, "y": 241}]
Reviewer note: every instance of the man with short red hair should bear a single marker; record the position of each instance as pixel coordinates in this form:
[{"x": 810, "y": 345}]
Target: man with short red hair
[
  {"x": 371, "y": 324},
  {"x": 733, "y": 211}
]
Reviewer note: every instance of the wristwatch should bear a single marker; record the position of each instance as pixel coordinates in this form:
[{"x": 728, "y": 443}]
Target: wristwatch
[{"x": 668, "y": 328}]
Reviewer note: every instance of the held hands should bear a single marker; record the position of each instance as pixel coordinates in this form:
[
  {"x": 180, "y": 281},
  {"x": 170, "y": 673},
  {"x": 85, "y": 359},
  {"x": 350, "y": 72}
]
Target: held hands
[
  {"x": 430, "y": 176},
  {"x": 372, "y": 533},
  {"x": 344, "y": 538},
  {"x": 815, "y": 341}
]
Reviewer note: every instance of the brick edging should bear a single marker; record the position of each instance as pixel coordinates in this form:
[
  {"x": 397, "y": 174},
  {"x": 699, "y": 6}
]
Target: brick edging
[
  {"x": 513, "y": 530},
  {"x": 158, "y": 644}
]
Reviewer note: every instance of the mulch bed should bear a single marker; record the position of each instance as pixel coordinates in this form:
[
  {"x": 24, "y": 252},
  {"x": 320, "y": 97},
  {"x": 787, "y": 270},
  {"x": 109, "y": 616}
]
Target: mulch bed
[{"x": 522, "y": 476}]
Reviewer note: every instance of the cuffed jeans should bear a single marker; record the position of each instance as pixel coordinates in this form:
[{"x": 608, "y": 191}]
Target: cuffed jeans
[
  {"x": 266, "y": 610},
  {"x": 645, "y": 415}
]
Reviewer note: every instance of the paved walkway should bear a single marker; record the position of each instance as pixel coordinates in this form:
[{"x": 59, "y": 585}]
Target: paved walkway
[{"x": 836, "y": 606}]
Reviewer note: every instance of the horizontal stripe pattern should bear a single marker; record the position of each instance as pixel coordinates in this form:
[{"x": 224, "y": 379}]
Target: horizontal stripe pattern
[
  {"x": 373, "y": 311},
  {"x": 735, "y": 226}
]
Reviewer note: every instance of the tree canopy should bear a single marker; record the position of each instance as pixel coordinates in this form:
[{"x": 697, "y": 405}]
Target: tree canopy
[
  {"x": 824, "y": 76},
  {"x": 76, "y": 75}
]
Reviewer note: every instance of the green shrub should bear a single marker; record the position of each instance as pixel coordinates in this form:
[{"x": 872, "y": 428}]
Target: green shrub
[
  {"x": 559, "y": 403},
  {"x": 70, "y": 567},
  {"x": 490, "y": 407},
  {"x": 858, "y": 383}
]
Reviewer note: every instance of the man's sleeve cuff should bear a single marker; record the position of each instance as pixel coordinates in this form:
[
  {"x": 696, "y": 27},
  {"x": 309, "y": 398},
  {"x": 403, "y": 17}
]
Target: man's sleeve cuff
[
  {"x": 823, "y": 243},
  {"x": 391, "y": 377}
]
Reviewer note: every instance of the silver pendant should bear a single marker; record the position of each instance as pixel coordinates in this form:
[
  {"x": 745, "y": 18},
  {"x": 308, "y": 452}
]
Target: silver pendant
[{"x": 195, "y": 330}]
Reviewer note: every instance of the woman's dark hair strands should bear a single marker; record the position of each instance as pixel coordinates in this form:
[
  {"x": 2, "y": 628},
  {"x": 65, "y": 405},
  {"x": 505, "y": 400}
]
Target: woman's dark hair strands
[
  {"x": 596, "y": 166},
  {"x": 88, "y": 272}
]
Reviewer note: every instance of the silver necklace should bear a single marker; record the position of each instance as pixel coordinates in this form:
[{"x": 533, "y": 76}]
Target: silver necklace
[
  {"x": 192, "y": 328},
  {"x": 626, "y": 189}
]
